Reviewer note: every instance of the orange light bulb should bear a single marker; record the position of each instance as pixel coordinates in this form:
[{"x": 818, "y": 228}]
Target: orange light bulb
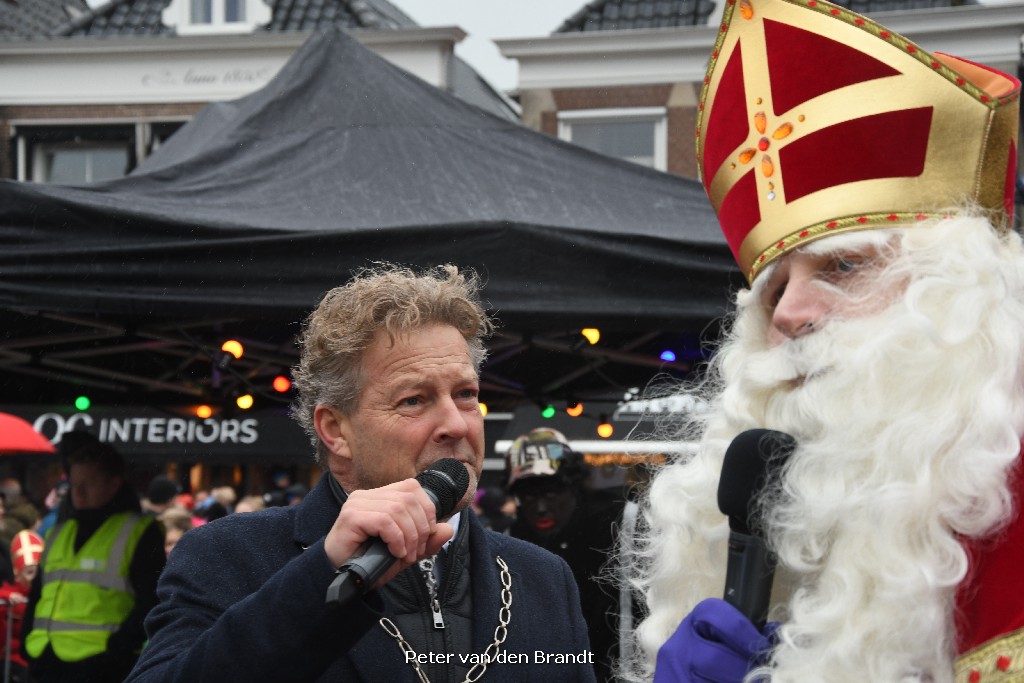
[{"x": 234, "y": 347}]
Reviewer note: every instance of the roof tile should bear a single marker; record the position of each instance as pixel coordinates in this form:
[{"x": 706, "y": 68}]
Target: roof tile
[{"x": 611, "y": 15}]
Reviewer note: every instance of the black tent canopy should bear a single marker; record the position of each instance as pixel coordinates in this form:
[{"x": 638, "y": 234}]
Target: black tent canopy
[{"x": 255, "y": 208}]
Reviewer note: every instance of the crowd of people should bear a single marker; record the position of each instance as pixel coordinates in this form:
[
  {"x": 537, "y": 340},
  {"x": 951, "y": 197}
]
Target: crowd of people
[
  {"x": 78, "y": 572},
  {"x": 542, "y": 500},
  {"x": 179, "y": 511}
]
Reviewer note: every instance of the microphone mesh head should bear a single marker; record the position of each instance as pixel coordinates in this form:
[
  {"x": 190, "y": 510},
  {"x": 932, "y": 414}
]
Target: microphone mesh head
[
  {"x": 750, "y": 460},
  {"x": 448, "y": 480}
]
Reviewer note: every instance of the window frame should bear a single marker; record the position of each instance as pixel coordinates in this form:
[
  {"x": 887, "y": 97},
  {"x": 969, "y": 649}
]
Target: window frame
[
  {"x": 178, "y": 15},
  {"x": 656, "y": 115},
  {"x": 32, "y": 138},
  {"x": 41, "y": 149}
]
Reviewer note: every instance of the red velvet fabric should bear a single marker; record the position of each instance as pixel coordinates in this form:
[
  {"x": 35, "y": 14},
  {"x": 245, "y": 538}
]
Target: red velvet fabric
[
  {"x": 804, "y": 65},
  {"x": 739, "y": 212},
  {"x": 728, "y": 123},
  {"x": 990, "y": 602},
  {"x": 889, "y": 145}
]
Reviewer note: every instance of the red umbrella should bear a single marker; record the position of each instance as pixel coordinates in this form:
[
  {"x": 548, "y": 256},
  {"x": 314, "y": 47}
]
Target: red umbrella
[{"x": 18, "y": 438}]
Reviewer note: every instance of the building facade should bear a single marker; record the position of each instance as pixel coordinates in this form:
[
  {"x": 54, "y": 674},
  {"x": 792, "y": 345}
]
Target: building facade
[
  {"x": 87, "y": 93},
  {"x": 623, "y": 77}
]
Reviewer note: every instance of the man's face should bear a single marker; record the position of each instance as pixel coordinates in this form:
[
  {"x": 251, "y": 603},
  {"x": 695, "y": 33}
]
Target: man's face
[
  {"x": 419, "y": 403},
  {"x": 91, "y": 487},
  {"x": 807, "y": 288}
]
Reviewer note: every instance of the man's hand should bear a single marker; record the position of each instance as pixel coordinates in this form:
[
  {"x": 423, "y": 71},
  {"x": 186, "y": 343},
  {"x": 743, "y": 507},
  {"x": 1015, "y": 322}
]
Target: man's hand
[
  {"x": 714, "y": 644},
  {"x": 400, "y": 514}
]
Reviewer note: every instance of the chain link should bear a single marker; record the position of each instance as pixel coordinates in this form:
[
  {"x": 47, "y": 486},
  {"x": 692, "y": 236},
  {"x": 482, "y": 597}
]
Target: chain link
[{"x": 500, "y": 633}]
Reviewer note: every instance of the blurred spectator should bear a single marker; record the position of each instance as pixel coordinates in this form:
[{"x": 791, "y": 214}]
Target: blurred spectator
[
  {"x": 9, "y": 526},
  {"x": 250, "y": 504},
  {"x": 7, "y": 530},
  {"x": 186, "y": 501},
  {"x": 175, "y": 521},
  {"x": 209, "y": 513},
  {"x": 282, "y": 480},
  {"x": 54, "y": 501},
  {"x": 273, "y": 499},
  {"x": 294, "y": 494},
  {"x": 226, "y": 496},
  {"x": 491, "y": 505},
  {"x": 555, "y": 512},
  {"x": 25, "y": 514},
  {"x": 278, "y": 495},
  {"x": 161, "y": 495},
  {"x": 26, "y": 548},
  {"x": 98, "y": 578},
  {"x": 11, "y": 488}
]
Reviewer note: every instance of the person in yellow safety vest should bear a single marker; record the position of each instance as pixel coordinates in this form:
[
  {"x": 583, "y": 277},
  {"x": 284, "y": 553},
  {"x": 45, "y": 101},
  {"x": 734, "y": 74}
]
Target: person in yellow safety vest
[{"x": 84, "y": 622}]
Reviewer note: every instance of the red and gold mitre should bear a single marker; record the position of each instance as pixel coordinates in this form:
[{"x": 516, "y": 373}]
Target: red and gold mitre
[{"x": 815, "y": 120}]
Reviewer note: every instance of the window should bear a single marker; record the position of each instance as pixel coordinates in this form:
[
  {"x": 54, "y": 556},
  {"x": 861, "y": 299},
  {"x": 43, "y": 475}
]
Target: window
[
  {"x": 217, "y": 11},
  {"x": 72, "y": 153},
  {"x": 73, "y": 164},
  {"x": 234, "y": 10},
  {"x": 637, "y": 135},
  {"x": 202, "y": 12},
  {"x": 215, "y": 16}
]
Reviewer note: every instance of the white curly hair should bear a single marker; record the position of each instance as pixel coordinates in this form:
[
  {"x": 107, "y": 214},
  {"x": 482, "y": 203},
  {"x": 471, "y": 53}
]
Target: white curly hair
[{"x": 907, "y": 422}]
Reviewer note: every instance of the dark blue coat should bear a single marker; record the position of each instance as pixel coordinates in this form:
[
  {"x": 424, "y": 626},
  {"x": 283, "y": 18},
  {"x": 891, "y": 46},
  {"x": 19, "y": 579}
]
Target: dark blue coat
[{"x": 242, "y": 599}]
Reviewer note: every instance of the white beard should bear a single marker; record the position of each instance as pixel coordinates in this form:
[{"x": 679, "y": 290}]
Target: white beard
[{"x": 907, "y": 422}]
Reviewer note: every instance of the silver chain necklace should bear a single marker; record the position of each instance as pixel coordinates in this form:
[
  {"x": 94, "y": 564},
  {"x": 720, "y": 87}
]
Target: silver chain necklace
[{"x": 500, "y": 631}]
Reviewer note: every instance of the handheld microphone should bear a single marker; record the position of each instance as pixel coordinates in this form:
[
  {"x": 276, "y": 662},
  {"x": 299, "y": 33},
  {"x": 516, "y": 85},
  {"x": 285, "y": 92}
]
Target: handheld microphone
[
  {"x": 749, "y": 461},
  {"x": 445, "y": 483}
]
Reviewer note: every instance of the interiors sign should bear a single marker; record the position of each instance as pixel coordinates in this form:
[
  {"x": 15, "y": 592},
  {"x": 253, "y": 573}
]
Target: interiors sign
[{"x": 147, "y": 431}]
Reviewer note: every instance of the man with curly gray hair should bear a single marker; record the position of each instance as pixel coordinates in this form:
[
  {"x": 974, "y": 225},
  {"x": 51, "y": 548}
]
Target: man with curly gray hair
[
  {"x": 348, "y": 319},
  {"x": 388, "y": 385}
]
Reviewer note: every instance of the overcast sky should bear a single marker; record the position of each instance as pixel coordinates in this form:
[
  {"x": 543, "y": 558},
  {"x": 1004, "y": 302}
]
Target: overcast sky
[{"x": 484, "y": 20}]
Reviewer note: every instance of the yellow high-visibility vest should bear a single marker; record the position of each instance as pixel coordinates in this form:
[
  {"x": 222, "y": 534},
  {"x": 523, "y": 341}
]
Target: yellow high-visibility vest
[{"x": 86, "y": 595}]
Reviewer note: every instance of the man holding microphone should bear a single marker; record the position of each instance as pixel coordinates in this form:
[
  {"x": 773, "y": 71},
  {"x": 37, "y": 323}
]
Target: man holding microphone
[{"x": 388, "y": 391}]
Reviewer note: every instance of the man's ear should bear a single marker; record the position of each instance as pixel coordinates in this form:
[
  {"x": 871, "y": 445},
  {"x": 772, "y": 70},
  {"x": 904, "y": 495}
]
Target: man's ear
[{"x": 331, "y": 426}]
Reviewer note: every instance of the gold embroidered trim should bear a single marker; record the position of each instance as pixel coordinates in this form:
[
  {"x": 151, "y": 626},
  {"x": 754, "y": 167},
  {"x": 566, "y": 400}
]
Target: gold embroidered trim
[
  {"x": 997, "y": 661},
  {"x": 870, "y": 221}
]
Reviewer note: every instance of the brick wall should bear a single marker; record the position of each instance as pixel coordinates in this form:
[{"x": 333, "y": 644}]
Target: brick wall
[{"x": 540, "y": 112}]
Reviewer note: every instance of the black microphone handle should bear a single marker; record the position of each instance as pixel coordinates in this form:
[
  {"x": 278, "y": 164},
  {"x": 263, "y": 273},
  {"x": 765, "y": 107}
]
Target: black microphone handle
[
  {"x": 748, "y": 576},
  {"x": 358, "y": 575}
]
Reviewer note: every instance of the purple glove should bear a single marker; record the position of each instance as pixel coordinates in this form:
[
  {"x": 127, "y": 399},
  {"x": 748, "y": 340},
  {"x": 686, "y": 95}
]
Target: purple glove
[{"x": 714, "y": 644}]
